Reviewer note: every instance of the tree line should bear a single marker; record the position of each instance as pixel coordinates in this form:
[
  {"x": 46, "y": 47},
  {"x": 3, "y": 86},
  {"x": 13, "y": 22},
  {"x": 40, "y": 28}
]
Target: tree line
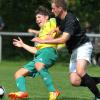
[{"x": 19, "y": 14}]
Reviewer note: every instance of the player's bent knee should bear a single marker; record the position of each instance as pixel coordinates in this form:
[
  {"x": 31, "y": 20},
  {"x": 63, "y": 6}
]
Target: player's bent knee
[
  {"x": 39, "y": 66},
  {"x": 75, "y": 79},
  {"x": 75, "y": 83},
  {"x": 21, "y": 72}
]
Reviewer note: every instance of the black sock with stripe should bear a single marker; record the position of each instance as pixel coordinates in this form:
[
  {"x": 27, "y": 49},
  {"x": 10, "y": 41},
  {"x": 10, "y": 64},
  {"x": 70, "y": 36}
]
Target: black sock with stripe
[{"x": 89, "y": 82}]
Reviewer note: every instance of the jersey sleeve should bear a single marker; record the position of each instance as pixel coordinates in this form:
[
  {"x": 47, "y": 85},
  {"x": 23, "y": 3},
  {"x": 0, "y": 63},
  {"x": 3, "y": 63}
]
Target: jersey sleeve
[
  {"x": 52, "y": 22},
  {"x": 48, "y": 28},
  {"x": 51, "y": 25},
  {"x": 69, "y": 27},
  {"x": 72, "y": 27}
]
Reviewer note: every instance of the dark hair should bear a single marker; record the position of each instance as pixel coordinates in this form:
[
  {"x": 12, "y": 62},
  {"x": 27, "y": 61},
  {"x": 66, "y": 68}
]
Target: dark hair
[
  {"x": 42, "y": 10},
  {"x": 60, "y": 3}
]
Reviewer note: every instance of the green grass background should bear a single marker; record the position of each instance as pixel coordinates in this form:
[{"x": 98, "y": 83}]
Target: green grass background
[{"x": 36, "y": 87}]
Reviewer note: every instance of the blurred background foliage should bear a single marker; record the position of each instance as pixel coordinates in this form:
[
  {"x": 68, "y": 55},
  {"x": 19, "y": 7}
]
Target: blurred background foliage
[
  {"x": 19, "y": 14},
  {"x": 88, "y": 11}
]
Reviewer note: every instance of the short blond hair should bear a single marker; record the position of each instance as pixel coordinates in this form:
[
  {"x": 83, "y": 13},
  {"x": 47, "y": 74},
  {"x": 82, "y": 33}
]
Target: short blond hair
[{"x": 60, "y": 3}]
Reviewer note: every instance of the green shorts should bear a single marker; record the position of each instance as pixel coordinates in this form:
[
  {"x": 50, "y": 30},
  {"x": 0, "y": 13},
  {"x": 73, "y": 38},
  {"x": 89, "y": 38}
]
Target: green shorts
[{"x": 48, "y": 56}]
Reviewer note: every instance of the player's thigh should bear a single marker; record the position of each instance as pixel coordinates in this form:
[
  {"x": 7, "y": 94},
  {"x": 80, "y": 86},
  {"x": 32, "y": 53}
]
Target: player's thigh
[
  {"x": 46, "y": 57},
  {"x": 39, "y": 66},
  {"x": 29, "y": 66},
  {"x": 32, "y": 71},
  {"x": 81, "y": 67},
  {"x": 83, "y": 58}
]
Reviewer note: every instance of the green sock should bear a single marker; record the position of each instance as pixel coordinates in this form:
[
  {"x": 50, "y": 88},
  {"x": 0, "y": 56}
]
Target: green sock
[
  {"x": 47, "y": 79},
  {"x": 20, "y": 82}
]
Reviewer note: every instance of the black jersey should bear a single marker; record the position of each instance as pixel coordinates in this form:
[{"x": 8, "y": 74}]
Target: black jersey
[{"x": 70, "y": 24}]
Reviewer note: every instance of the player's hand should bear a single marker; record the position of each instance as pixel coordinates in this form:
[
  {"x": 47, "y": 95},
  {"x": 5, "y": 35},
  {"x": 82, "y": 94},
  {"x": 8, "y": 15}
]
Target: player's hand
[
  {"x": 30, "y": 30},
  {"x": 18, "y": 42},
  {"x": 37, "y": 40}
]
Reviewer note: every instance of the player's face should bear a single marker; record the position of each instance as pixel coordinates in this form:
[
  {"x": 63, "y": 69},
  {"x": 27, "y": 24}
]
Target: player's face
[
  {"x": 41, "y": 19},
  {"x": 56, "y": 10}
]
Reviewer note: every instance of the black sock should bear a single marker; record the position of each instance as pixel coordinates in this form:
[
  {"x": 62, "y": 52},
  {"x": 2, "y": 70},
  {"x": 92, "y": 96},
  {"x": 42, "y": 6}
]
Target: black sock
[
  {"x": 96, "y": 79},
  {"x": 82, "y": 82},
  {"x": 90, "y": 83}
]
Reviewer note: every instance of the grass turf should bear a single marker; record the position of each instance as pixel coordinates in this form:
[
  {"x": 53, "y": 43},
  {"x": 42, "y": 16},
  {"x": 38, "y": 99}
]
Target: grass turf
[{"x": 36, "y": 87}]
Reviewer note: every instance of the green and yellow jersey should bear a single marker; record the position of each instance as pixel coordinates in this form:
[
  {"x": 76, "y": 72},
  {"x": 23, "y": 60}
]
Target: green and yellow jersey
[{"x": 45, "y": 34}]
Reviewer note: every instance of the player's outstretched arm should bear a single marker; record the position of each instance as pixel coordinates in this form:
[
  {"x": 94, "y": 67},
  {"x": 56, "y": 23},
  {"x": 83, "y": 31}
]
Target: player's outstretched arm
[
  {"x": 62, "y": 39},
  {"x": 33, "y": 31},
  {"x": 19, "y": 43}
]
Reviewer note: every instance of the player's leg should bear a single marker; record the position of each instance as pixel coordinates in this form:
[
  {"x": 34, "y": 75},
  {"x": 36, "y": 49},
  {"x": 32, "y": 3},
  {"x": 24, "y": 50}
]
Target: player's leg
[
  {"x": 82, "y": 62},
  {"x": 96, "y": 79},
  {"x": 20, "y": 83},
  {"x": 81, "y": 65},
  {"x": 75, "y": 79},
  {"x": 82, "y": 79},
  {"x": 86, "y": 80},
  {"x": 45, "y": 60},
  {"x": 46, "y": 77},
  {"x": 20, "y": 79},
  {"x": 20, "y": 75}
]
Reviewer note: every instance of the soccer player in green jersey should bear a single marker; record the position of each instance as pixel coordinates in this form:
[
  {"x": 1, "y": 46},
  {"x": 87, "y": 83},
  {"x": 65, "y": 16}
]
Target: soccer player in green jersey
[{"x": 45, "y": 56}]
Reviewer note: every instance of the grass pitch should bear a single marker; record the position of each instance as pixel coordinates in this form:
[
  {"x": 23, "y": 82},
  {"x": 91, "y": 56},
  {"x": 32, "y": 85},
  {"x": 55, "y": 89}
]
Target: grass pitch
[{"x": 36, "y": 87}]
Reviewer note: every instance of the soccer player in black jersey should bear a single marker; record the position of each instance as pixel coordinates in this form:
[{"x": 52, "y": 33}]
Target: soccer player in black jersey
[{"x": 78, "y": 45}]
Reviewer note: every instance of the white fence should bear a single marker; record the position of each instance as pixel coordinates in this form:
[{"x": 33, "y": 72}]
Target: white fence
[
  {"x": 94, "y": 35},
  {"x": 28, "y": 34},
  {"x": 11, "y": 34}
]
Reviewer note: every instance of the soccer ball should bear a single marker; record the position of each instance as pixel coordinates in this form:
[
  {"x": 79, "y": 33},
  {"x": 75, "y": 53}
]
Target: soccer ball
[{"x": 2, "y": 91}]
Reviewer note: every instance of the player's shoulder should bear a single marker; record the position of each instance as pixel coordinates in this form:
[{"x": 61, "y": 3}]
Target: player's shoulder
[
  {"x": 52, "y": 21},
  {"x": 71, "y": 17}
]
